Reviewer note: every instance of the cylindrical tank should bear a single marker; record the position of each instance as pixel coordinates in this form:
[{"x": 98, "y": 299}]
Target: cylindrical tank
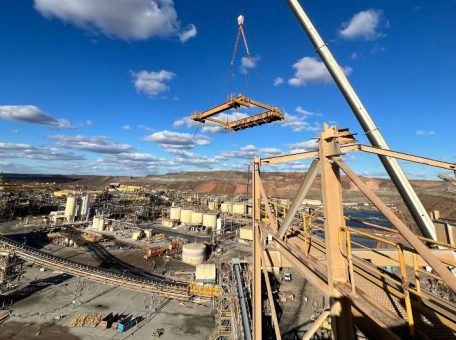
[
  {"x": 219, "y": 225},
  {"x": 193, "y": 253},
  {"x": 70, "y": 208},
  {"x": 174, "y": 213},
  {"x": 239, "y": 208},
  {"x": 211, "y": 205},
  {"x": 210, "y": 220},
  {"x": 186, "y": 216},
  {"x": 95, "y": 222},
  {"x": 136, "y": 235},
  {"x": 197, "y": 217},
  {"x": 85, "y": 206},
  {"x": 148, "y": 232},
  {"x": 100, "y": 223},
  {"x": 226, "y": 207}
]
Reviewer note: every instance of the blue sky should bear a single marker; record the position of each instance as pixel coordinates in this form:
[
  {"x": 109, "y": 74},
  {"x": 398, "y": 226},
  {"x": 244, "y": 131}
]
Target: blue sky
[{"x": 107, "y": 86}]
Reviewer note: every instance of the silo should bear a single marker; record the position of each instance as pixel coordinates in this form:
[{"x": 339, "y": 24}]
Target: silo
[
  {"x": 95, "y": 222},
  {"x": 226, "y": 207},
  {"x": 239, "y": 208},
  {"x": 148, "y": 232},
  {"x": 193, "y": 253},
  {"x": 174, "y": 213},
  {"x": 186, "y": 216},
  {"x": 210, "y": 220},
  {"x": 70, "y": 208},
  {"x": 212, "y": 205},
  {"x": 100, "y": 223},
  {"x": 197, "y": 217},
  {"x": 85, "y": 206}
]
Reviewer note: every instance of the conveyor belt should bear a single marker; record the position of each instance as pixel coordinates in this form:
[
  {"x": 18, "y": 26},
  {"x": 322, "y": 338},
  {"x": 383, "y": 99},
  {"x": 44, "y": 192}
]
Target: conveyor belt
[{"x": 156, "y": 284}]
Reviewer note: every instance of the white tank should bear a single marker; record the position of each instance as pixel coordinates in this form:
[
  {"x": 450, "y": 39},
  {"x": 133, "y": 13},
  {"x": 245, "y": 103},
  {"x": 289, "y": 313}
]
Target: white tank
[
  {"x": 210, "y": 220},
  {"x": 95, "y": 222},
  {"x": 239, "y": 208},
  {"x": 70, "y": 208},
  {"x": 219, "y": 225},
  {"x": 226, "y": 207},
  {"x": 148, "y": 232},
  {"x": 186, "y": 216},
  {"x": 193, "y": 253},
  {"x": 212, "y": 205},
  {"x": 197, "y": 217},
  {"x": 100, "y": 223},
  {"x": 85, "y": 206},
  {"x": 174, "y": 213}
]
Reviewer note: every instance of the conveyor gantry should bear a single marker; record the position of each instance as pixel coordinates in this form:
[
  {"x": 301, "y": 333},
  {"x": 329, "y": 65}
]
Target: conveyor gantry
[{"x": 271, "y": 114}]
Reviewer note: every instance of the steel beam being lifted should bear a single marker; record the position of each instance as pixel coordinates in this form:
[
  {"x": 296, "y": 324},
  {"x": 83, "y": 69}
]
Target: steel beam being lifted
[
  {"x": 372, "y": 132},
  {"x": 270, "y": 115}
]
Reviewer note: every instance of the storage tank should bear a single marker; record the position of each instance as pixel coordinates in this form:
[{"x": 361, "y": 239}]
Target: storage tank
[
  {"x": 212, "y": 205},
  {"x": 210, "y": 220},
  {"x": 226, "y": 207},
  {"x": 95, "y": 222},
  {"x": 100, "y": 224},
  {"x": 246, "y": 233},
  {"x": 219, "y": 225},
  {"x": 70, "y": 208},
  {"x": 174, "y": 213},
  {"x": 186, "y": 216},
  {"x": 193, "y": 253},
  {"x": 148, "y": 232},
  {"x": 239, "y": 208},
  {"x": 85, "y": 206},
  {"x": 197, "y": 217},
  {"x": 206, "y": 273},
  {"x": 136, "y": 235}
]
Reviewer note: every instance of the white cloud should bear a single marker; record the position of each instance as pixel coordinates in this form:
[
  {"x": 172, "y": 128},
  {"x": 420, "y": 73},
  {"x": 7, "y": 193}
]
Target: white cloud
[
  {"x": 248, "y": 152},
  {"x": 298, "y": 123},
  {"x": 151, "y": 82},
  {"x": 124, "y": 19},
  {"x": 424, "y": 132},
  {"x": 209, "y": 126},
  {"x": 311, "y": 71},
  {"x": 97, "y": 144},
  {"x": 363, "y": 25},
  {"x": 249, "y": 63},
  {"x": 32, "y": 114},
  {"x": 146, "y": 128},
  {"x": 88, "y": 122},
  {"x": 126, "y": 127},
  {"x": 188, "y": 33},
  {"x": 354, "y": 56},
  {"x": 177, "y": 140},
  {"x": 278, "y": 81},
  {"x": 303, "y": 146},
  {"x": 300, "y": 110},
  {"x": 17, "y": 150}
]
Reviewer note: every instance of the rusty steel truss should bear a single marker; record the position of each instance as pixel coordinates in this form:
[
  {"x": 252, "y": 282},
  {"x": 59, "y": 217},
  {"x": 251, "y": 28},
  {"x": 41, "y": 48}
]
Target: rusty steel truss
[
  {"x": 271, "y": 114},
  {"x": 349, "y": 280}
]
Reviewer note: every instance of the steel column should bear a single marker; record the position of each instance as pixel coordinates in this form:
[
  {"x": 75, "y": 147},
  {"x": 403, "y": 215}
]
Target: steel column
[
  {"x": 257, "y": 249},
  {"x": 372, "y": 132},
  {"x": 331, "y": 190}
]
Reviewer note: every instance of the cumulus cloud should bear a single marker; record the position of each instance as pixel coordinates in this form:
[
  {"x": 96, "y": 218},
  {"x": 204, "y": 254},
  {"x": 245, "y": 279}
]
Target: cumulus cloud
[
  {"x": 298, "y": 123},
  {"x": 248, "y": 63},
  {"x": 303, "y": 146},
  {"x": 248, "y": 152},
  {"x": 188, "y": 33},
  {"x": 124, "y": 19},
  {"x": 151, "y": 82},
  {"x": 278, "y": 81},
  {"x": 209, "y": 126},
  {"x": 17, "y": 150},
  {"x": 97, "y": 144},
  {"x": 311, "y": 71},
  {"x": 425, "y": 132},
  {"x": 363, "y": 25},
  {"x": 32, "y": 114},
  {"x": 177, "y": 140}
]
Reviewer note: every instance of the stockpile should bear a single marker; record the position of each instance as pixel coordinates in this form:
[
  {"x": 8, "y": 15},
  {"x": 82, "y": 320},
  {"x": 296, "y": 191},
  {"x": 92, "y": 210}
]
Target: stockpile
[{"x": 86, "y": 320}]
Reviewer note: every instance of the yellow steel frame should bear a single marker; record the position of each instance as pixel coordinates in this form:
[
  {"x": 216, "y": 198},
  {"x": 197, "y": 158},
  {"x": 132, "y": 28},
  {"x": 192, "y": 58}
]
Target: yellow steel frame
[{"x": 333, "y": 276}]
